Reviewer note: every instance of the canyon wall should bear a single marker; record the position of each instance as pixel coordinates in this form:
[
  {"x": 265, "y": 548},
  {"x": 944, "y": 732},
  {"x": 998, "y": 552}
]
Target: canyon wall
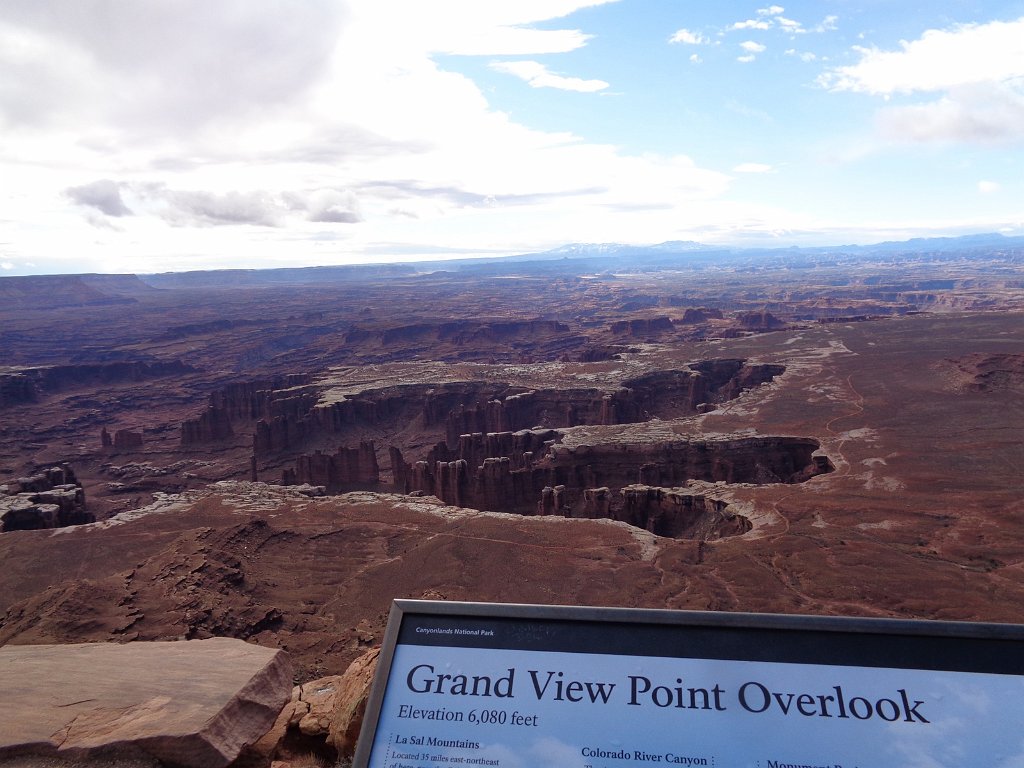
[
  {"x": 287, "y": 413},
  {"x": 346, "y": 469},
  {"x": 27, "y": 385},
  {"x": 586, "y": 481}
]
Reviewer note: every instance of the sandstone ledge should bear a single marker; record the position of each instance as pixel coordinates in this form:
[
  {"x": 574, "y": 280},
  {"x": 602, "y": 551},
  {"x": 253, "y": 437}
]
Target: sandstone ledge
[{"x": 194, "y": 703}]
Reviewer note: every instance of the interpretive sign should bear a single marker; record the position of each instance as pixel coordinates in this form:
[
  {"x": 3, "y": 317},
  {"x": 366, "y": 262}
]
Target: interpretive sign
[{"x": 518, "y": 686}]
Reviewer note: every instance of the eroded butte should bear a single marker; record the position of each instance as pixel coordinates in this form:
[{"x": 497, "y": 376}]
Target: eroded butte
[{"x": 275, "y": 456}]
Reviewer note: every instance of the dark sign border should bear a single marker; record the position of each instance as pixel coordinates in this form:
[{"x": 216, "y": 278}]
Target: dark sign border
[{"x": 857, "y": 642}]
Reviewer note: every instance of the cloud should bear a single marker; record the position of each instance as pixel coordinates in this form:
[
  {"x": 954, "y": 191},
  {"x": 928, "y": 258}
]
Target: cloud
[
  {"x": 805, "y": 56},
  {"x": 267, "y": 129},
  {"x": 202, "y": 208},
  {"x": 104, "y": 195},
  {"x": 982, "y": 114},
  {"x": 752, "y": 24},
  {"x": 938, "y": 61},
  {"x": 772, "y": 18},
  {"x": 988, "y": 187},
  {"x": 828, "y": 24},
  {"x": 752, "y": 47},
  {"x": 6, "y": 265},
  {"x": 791, "y": 26},
  {"x": 472, "y": 28},
  {"x": 408, "y": 190},
  {"x": 977, "y": 68},
  {"x": 159, "y": 68},
  {"x": 331, "y": 206},
  {"x": 688, "y": 37},
  {"x": 695, "y": 58},
  {"x": 538, "y": 76},
  {"x": 752, "y": 168}
]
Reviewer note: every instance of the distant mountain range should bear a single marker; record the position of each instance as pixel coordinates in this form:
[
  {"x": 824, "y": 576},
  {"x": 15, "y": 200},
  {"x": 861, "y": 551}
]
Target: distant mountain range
[
  {"x": 920, "y": 244},
  {"x": 573, "y": 258}
]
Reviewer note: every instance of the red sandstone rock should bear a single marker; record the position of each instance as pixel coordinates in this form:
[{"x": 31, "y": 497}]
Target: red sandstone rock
[
  {"x": 212, "y": 425},
  {"x": 126, "y": 440},
  {"x": 187, "y": 703},
  {"x": 347, "y": 468},
  {"x": 642, "y": 327},
  {"x": 350, "y": 703},
  {"x": 53, "y": 498},
  {"x": 679, "y": 514},
  {"x": 700, "y": 315},
  {"x": 498, "y": 484},
  {"x": 759, "y": 321}
]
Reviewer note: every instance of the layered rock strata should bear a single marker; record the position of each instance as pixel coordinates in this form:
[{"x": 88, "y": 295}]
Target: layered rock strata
[
  {"x": 189, "y": 704},
  {"x": 584, "y": 481},
  {"x": 27, "y": 385},
  {"x": 53, "y": 498},
  {"x": 346, "y": 469},
  {"x": 288, "y": 414}
]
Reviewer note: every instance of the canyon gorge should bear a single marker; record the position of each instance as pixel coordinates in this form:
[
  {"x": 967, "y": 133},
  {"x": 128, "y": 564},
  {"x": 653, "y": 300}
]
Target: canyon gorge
[{"x": 276, "y": 455}]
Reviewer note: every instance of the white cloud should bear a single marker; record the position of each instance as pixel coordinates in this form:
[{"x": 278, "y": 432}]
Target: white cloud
[
  {"x": 753, "y": 47},
  {"x": 791, "y": 26},
  {"x": 695, "y": 58},
  {"x": 982, "y": 114},
  {"x": 988, "y": 187},
  {"x": 146, "y": 67},
  {"x": 688, "y": 37},
  {"x": 538, "y": 76},
  {"x": 202, "y": 208},
  {"x": 361, "y": 140},
  {"x": 977, "y": 68},
  {"x": 472, "y": 28},
  {"x": 805, "y": 56},
  {"x": 6, "y": 265},
  {"x": 828, "y": 24},
  {"x": 746, "y": 59},
  {"x": 752, "y": 168},
  {"x": 752, "y": 24},
  {"x": 939, "y": 60},
  {"x": 772, "y": 10}
]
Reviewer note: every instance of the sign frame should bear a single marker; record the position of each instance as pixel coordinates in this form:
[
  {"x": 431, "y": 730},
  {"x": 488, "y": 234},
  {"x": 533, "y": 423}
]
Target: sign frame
[{"x": 940, "y": 646}]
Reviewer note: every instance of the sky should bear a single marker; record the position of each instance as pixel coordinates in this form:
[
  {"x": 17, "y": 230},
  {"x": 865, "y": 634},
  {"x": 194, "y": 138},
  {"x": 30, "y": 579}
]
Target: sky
[{"x": 169, "y": 135}]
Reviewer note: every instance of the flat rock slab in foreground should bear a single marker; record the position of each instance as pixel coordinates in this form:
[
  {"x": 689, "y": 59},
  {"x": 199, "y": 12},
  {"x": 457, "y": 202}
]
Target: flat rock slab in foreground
[{"x": 191, "y": 703}]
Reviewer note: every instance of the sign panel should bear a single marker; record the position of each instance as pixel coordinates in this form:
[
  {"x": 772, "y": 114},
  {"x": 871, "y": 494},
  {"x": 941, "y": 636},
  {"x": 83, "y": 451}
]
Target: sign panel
[{"x": 463, "y": 684}]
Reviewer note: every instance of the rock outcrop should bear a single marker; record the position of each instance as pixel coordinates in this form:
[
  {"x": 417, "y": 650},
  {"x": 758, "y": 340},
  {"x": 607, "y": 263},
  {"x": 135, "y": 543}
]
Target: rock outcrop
[
  {"x": 757, "y": 460},
  {"x": 648, "y": 326},
  {"x": 323, "y": 718},
  {"x": 16, "y": 388},
  {"x": 52, "y": 498},
  {"x": 584, "y": 481},
  {"x": 288, "y": 413},
  {"x": 30, "y": 384},
  {"x": 191, "y": 704},
  {"x": 211, "y": 426},
  {"x": 346, "y": 469},
  {"x": 759, "y": 321},
  {"x": 694, "y": 315},
  {"x": 679, "y": 514},
  {"x": 122, "y": 440},
  {"x": 990, "y": 373},
  {"x": 282, "y": 398}
]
